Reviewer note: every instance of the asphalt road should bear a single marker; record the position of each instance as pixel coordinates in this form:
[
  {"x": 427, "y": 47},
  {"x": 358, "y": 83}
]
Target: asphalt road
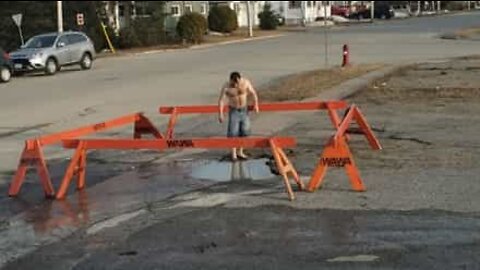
[
  {"x": 121, "y": 85},
  {"x": 118, "y": 86}
]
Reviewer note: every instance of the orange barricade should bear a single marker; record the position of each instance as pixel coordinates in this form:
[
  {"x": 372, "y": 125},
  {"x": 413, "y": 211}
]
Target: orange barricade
[
  {"x": 78, "y": 162},
  {"x": 338, "y": 154},
  {"x": 330, "y": 106},
  {"x": 32, "y": 155},
  {"x": 335, "y": 154}
]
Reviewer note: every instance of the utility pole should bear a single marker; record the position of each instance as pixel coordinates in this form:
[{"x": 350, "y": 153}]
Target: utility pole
[
  {"x": 372, "y": 10},
  {"x": 468, "y": 5},
  {"x": 59, "y": 16},
  {"x": 249, "y": 17},
  {"x": 325, "y": 32},
  {"x": 304, "y": 10},
  {"x": 439, "y": 6}
]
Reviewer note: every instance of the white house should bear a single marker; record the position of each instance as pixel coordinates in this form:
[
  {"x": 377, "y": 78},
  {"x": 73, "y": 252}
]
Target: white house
[
  {"x": 240, "y": 7},
  {"x": 301, "y": 12}
]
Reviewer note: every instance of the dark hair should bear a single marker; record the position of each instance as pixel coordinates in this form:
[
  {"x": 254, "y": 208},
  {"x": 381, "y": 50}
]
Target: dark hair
[{"x": 235, "y": 76}]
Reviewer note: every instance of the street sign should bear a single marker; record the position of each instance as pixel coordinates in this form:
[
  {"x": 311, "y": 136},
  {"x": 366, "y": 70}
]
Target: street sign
[
  {"x": 17, "y": 18},
  {"x": 80, "y": 19}
]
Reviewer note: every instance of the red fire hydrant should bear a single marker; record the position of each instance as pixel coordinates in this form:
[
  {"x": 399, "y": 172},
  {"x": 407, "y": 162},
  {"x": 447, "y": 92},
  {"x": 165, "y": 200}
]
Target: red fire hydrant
[{"x": 346, "y": 53}]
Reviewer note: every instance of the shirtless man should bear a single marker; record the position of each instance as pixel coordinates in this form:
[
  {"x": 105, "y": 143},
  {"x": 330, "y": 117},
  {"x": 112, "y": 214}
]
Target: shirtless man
[{"x": 236, "y": 92}]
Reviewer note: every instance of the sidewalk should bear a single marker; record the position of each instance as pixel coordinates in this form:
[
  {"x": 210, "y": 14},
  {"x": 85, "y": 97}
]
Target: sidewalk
[{"x": 180, "y": 47}]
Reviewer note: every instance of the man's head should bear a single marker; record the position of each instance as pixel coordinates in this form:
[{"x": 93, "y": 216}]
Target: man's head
[{"x": 235, "y": 78}]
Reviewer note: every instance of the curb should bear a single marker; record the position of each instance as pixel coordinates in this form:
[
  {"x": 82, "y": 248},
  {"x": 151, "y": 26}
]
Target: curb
[
  {"x": 194, "y": 47},
  {"x": 352, "y": 86},
  {"x": 206, "y": 46}
]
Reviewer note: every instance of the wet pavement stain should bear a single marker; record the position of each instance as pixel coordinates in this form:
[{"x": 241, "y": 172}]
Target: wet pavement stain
[
  {"x": 21, "y": 130},
  {"x": 128, "y": 253},
  {"x": 112, "y": 190}
]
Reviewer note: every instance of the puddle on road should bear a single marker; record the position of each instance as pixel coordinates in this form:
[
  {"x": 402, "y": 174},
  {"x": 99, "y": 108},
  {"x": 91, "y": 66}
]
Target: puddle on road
[
  {"x": 226, "y": 171},
  {"x": 108, "y": 196}
]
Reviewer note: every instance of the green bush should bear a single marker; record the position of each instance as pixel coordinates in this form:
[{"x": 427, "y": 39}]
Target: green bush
[
  {"x": 141, "y": 32},
  {"x": 454, "y": 5},
  {"x": 128, "y": 38},
  {"x": 192, "y": 27},
  {"x": 268, "y": 19},
  {"x": 222, "y": 19},
  {"x": 150, "y": 30}
]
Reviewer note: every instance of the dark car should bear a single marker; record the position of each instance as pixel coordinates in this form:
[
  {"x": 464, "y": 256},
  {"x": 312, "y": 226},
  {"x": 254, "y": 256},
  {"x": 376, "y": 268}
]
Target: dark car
[
  {"x": 381, "y": 11},
  {"x": 6, "y": 66}
]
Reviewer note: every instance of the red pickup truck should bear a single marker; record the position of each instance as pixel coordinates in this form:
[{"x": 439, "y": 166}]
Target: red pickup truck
[{"x": 341, "y": 11}]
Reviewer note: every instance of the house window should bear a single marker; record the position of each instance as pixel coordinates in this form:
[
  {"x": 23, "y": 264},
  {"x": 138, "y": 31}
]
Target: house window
[
  {"x": 236, "y": 7},
  {"x": 188, "y": 9},
  {"x": 294, "y": 4},
  {"x": 122, "y": 8},
  {"x": 175, "y": 10},
  {"x": 143, "y": 8},
  {"x": 203, "y": 9}
]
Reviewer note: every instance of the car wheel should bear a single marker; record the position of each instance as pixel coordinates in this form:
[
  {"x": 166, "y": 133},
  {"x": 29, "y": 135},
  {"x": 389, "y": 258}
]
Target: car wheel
[
  {"x": 5, "y": 74},
  {"x": 51, "y": 67},
  {"x": 86, "y": 62}
]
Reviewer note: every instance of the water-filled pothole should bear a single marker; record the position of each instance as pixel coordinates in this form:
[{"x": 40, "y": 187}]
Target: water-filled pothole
[{"x": 226, "y": 171}]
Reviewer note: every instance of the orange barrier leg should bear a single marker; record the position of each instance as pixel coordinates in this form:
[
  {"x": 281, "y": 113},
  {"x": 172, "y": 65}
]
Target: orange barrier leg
[
  {"x": 75, "y": 168},
  {"x": 284, "y": 167},
  {"x": 336, "y": 121},
  {"x": 32, "y": 155},
  {"x": 81, "y": 170},
  {"x": 336, "y": 155},
  {"x": 144, "y": 126},
  {"x": 354, "y": 114},
  {"x": 171, "y": 124}
]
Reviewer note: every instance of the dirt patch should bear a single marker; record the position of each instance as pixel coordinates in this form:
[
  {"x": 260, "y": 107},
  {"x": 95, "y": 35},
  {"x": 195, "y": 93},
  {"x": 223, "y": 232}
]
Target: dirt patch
[
  {"x": 430, "y": 82},
  {"x": 311, "y": 83},
  {"x": 468, "y": 33}
]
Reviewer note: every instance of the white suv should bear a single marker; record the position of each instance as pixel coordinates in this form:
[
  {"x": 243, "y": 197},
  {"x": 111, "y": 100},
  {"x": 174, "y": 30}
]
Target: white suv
[{"x": 49, "y": 52}]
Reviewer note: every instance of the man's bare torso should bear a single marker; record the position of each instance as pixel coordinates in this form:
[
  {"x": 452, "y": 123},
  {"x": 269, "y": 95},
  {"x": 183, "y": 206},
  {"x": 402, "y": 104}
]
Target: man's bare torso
[{"x": 237, "y": 96}]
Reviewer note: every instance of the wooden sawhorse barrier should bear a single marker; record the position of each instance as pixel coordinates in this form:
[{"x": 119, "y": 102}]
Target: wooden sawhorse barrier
[
  {"x": 79, "y": 161},
  {"x": 32, "y": 154},
  {"x": 337, "y": 152}
]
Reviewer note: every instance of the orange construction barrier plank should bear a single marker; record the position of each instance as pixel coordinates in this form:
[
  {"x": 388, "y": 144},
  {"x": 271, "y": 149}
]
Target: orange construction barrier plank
[
  {"x": 338, "y": 154},
  {"x": 331, "y": 106},
  {"x": 205, "y": 143},
  {"x": 32, "y": 155},
  {"x": 265, "y": 107},
  {"x": 89, "y": 129},
  {"x": 78, "y": 162}
]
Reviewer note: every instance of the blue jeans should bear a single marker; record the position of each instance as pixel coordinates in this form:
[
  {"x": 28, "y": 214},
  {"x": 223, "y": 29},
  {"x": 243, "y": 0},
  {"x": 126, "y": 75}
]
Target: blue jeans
[{"x": 238, "y": 122}]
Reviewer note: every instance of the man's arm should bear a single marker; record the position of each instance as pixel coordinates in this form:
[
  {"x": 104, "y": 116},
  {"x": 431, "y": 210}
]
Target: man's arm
[
  {"x": 221, "y": 104},
  {"x": 253, "y": 92}
]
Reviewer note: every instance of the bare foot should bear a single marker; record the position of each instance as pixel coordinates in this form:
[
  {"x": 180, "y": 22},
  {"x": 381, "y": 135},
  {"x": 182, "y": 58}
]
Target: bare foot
[{"x": 242, "y": 156}]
